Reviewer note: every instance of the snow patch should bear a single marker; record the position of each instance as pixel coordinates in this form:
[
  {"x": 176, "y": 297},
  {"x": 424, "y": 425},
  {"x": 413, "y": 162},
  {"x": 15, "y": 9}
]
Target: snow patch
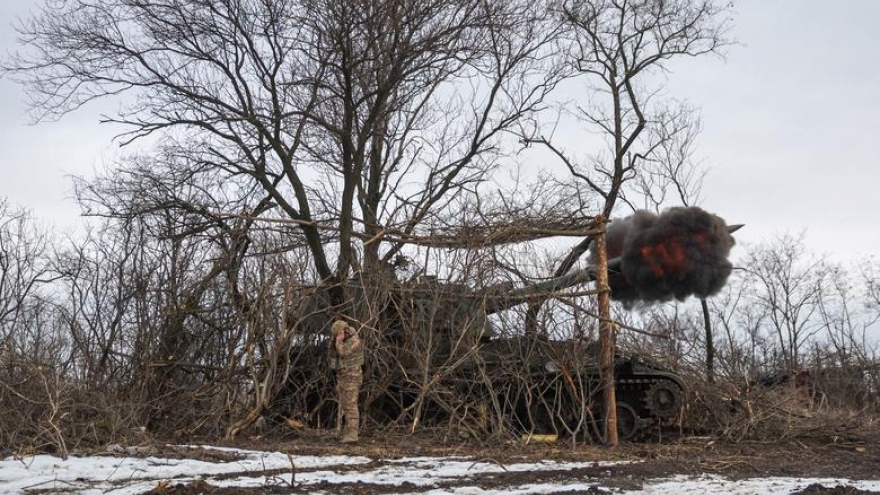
[{"x": 107, "y": 475}]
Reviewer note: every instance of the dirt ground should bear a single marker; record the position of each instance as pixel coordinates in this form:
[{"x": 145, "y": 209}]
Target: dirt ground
[{"x": 850, "y": 456}]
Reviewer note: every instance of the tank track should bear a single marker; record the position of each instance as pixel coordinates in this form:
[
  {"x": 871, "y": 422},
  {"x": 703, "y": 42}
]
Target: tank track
[{"x": 639, "y": 397}]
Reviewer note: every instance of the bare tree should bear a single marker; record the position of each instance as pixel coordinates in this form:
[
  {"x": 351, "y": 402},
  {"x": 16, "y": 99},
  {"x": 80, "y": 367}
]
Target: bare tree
[
  {"x": 24, "y": 264},
  {"x": 33, "y": 357},
  {"x": 741, "y": 325},
  {"x": 790, "y": 284},
  {"x": 845, "y": 356},
  {"x": 617, "y": 49},
  {"x": 870, "y": 278},
  {"x": 333, "y": 109}
]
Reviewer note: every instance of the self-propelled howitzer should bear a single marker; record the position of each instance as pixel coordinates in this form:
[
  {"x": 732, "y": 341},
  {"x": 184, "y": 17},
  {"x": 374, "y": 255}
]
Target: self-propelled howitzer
[{"x": 437, "y": 353}]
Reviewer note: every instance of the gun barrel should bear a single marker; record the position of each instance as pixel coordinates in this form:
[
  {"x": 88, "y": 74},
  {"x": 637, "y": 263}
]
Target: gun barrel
[{"x": 545, "y": 289}]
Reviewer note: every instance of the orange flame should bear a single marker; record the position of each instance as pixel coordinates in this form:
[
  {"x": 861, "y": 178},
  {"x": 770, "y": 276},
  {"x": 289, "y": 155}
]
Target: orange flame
[{"x": 665, "y": 258}]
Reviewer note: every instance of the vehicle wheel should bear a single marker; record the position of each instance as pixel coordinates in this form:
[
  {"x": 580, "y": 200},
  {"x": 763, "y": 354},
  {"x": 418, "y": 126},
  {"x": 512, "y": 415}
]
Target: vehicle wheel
[
  {"x": 627, "y": 421},
  {"x": 663, "y": 399}
]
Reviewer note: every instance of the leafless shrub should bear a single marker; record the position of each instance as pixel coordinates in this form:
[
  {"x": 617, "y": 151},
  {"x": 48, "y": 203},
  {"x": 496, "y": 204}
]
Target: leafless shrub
[{"x": 779, "y": 412}]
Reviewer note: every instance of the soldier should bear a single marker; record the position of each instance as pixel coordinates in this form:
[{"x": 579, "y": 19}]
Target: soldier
[{"x": 348, "y": 362}]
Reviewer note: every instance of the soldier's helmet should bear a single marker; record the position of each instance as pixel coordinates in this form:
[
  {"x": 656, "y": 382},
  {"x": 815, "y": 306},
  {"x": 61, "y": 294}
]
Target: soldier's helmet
[{"x": 338, "y": 326}]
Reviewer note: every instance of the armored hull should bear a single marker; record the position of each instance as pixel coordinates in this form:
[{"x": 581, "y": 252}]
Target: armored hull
[{"x": 557, "y": 386}]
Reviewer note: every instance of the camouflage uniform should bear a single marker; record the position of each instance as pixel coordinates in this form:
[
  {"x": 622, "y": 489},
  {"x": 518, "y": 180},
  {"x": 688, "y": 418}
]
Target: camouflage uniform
[{"x": 348, "y": 362}]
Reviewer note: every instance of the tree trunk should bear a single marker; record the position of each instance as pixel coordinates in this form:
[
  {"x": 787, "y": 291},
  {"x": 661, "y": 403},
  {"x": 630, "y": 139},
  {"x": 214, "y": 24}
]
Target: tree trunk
[{"x": 710, "y": 343}]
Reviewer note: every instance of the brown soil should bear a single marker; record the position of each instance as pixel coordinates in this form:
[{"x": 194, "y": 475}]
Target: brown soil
[{"x": 853, "y": 456}]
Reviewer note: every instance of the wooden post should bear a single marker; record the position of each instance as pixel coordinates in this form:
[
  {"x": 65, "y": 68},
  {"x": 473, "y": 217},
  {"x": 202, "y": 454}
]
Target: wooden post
[{"x": 606, "y": 338}]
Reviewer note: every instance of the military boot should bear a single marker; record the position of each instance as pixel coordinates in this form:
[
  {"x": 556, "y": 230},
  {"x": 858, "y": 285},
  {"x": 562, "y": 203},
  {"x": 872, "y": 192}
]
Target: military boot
[
  {"x": 350, "y": 432},
  {"x": 350, "y": 436}
]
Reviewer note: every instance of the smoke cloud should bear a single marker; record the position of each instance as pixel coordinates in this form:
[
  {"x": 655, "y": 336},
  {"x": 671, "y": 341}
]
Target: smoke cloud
[{"x": 681, "y": 252}]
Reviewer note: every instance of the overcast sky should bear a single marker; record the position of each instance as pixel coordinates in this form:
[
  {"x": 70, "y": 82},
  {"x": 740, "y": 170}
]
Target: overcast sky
[
  {"x": 791, "y": 123},
  {"x": 790, "y": 127}
]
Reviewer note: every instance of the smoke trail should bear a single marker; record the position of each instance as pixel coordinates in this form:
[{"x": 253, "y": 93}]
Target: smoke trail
[{"x": 679, "y": 253}]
